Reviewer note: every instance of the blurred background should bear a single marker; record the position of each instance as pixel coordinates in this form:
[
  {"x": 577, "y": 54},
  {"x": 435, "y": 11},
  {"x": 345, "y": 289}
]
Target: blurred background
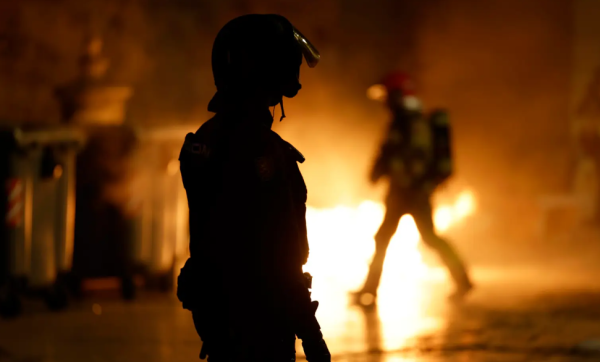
[{"x": 96, "y": 97}]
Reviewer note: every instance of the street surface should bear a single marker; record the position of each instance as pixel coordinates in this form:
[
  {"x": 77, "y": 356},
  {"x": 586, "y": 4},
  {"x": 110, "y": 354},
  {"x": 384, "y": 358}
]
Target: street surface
[{"x": 515, "y": 315}]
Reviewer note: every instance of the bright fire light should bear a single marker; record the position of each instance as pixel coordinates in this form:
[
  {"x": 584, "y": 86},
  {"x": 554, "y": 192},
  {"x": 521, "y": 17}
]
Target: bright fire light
[
  {"x": 341, "y": 248},
  {"x": 341, "y": 240}
]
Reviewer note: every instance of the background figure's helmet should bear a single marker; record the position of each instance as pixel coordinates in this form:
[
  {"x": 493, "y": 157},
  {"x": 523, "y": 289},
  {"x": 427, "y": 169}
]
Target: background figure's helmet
[
  {"x": 397, "y": 89},
  {"x": 399, "y": 81},
  {"x": 262, "y": 52}
]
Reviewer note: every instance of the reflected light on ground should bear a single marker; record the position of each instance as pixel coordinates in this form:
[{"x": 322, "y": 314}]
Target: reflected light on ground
[{"x": 341, "y": 248}]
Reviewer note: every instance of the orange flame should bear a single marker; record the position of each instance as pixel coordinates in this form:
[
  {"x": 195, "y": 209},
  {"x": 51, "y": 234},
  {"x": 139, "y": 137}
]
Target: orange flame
[{"x": 341, "y": 241}]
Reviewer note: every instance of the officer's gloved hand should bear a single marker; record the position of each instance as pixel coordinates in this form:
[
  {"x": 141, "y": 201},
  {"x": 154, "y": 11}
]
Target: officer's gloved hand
[
  {"x": 205, "y": 351},
  {"x": 316, "y": 350},
  {"x": 313, "y": 343},
  {"x": 186, "y": 282}
]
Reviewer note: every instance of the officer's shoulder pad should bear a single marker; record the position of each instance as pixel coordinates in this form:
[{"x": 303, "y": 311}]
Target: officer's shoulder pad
[{"x": 193, "y": 145}]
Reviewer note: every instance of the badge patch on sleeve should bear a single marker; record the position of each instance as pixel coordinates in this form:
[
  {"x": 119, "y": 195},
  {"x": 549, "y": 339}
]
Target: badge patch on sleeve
[{"x": 265, "y": 168}]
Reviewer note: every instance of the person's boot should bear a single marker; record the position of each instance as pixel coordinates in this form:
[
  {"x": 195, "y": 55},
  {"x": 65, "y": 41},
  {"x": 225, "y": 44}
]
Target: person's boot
[
  {"x": 461, "y": 292},
  {"x": 457, "y": 270},
  {"x": 363, "y": 299},
  {"x": 461, "y": 280},
  {"x": 367, "y": 296}
]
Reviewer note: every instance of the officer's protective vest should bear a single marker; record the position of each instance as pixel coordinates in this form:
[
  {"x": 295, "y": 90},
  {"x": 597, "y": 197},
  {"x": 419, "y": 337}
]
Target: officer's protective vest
[{"x": 423, "y": 157}]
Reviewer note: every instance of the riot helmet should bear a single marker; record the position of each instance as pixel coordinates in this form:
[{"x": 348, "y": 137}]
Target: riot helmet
[{"x": 259, "y": 53}]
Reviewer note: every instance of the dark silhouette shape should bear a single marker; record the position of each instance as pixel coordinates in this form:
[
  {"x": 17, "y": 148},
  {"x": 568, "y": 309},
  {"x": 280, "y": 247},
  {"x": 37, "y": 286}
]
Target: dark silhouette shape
[
  {"x": 417, "y": 158},
  {"x": 244, "y": 282}
]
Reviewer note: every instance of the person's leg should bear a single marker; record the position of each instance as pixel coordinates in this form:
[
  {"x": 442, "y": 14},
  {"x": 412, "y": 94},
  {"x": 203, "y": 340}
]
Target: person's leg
[
  {"x": 394, "y": 212},
  {"x": 422, "y": 213}
]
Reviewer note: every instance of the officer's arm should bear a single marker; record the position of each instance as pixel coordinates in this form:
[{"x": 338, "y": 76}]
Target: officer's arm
[
  {"x": 386, "y": 152},
  {"x": 192, "y": 163},
  {"x": 379, "y": 168}
]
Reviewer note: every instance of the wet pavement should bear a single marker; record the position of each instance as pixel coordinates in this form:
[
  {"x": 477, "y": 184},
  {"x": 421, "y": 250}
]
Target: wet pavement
[{"x": 514, "y": 315}]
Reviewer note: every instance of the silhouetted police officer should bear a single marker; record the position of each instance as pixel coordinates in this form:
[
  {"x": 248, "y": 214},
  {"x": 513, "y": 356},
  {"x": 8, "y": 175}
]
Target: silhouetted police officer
[
  {"x": 416, "y": 157},
  {"x": 244, "y": 282}
]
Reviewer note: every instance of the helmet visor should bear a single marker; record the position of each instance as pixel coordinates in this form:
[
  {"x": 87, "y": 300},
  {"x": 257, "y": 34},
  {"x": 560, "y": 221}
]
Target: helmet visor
[{"x": 311, "y": 54}]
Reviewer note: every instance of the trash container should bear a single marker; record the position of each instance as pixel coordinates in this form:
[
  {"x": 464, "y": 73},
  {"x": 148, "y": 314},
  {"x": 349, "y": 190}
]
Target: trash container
[
  {"x": 104, "y": 173},
  {"x": 37, "y": 168},
  {"x": 160, "y": 236}
]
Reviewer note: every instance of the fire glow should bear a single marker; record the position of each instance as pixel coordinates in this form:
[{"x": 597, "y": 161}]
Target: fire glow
[
  {"x": 341, "y": 240},
  {"x": 342, "y": 245}
]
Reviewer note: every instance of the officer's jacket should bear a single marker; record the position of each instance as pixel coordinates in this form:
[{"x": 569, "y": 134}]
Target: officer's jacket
[{"x": 247, "y": 202}]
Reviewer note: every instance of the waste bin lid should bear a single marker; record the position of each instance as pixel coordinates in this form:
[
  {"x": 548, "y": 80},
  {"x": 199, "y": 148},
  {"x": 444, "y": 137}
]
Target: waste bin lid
[
  {"x": 25, "y": 137},
  {"x": 165, "y": 134}
]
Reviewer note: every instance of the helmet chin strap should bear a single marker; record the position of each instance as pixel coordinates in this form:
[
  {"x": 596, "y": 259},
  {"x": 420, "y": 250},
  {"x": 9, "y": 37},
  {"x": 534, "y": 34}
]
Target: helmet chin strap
[{"x": 282, "y": 110}]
